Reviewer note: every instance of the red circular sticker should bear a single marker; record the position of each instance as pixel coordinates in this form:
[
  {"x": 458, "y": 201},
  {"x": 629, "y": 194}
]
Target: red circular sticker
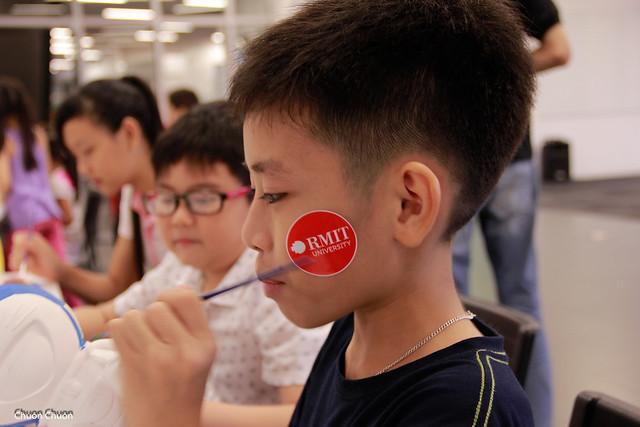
[{"x": 326, "y": 239}]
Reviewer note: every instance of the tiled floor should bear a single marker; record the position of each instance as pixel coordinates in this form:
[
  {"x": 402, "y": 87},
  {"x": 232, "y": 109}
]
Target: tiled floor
[{"x": 589, "y": 267}]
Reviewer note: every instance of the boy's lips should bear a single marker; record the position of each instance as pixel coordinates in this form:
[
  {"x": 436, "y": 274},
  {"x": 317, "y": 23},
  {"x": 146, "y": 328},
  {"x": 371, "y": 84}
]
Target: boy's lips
[
  {"x": 271, "y": 287},
  {"x": 272, "y": 282},
  {"x": 269, "y": 277},
  {"x": 185, "y": 241},
  {"x": 269, "y": 284}
]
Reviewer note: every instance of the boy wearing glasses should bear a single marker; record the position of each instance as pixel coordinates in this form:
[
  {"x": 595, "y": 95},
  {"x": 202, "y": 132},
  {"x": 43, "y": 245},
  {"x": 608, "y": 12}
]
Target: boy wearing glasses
[{"x": 199, "y": 204}]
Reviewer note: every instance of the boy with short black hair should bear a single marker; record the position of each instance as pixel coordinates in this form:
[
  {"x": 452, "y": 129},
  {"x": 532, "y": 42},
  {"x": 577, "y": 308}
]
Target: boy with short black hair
[{"x": 373, "y": 131}]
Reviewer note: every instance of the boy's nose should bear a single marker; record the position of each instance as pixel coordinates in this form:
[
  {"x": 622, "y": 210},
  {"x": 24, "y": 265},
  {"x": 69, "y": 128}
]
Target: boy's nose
[
  {"x": 182, "y": 215},
  {"x": 254, "y": 232},
  {"x": 81, "y": 166}
]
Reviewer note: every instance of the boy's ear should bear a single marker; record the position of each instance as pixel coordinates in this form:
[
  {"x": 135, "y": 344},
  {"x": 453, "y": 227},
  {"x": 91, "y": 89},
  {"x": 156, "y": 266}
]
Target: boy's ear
[{"x": 420, "y": 193}]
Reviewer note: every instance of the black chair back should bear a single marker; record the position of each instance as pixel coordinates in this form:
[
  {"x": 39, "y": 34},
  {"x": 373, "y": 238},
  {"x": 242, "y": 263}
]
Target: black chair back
[
  {"x": 593, "y": 409},
  {"x": 518, "y": 329}
]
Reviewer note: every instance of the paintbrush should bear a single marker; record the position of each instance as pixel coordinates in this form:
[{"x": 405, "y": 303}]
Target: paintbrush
[{"x": 300, "y": 262}]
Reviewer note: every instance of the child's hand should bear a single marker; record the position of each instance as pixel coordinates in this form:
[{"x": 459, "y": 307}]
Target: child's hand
[
  {"x": 42, "y": 259},
  {"x": 166, "y": 353}
]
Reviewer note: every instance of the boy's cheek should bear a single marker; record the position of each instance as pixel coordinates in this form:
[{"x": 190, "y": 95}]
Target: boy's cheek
[{"x": 164, "y": 228}]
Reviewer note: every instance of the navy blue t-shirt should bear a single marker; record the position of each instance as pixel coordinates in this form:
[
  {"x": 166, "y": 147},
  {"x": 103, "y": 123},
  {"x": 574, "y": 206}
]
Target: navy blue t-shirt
[{"x": 466, "y": 384}]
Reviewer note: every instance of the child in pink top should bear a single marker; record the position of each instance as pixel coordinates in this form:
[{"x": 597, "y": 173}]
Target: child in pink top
[{"x": 30, "y": 203}]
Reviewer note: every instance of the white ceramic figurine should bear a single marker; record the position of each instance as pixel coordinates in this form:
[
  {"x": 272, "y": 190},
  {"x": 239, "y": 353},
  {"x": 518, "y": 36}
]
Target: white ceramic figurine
[{"x": 49, "y": 375}]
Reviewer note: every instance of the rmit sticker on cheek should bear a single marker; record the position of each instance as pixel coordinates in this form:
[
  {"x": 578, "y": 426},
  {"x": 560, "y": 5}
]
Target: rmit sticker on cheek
[{"x": 326, "y": 238}]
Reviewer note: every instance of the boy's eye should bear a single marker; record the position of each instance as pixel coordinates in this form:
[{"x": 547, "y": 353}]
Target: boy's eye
[
  {"x": 163, "y": 197},
  {"x": 272, "y": 197},
  {"x": 203, "y": 198}
]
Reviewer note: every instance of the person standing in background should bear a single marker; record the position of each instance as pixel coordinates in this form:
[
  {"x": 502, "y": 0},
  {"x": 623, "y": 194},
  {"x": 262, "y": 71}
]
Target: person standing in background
[
  {"x": 181, "y": 101},
  {"x": 507, "y": 218}
]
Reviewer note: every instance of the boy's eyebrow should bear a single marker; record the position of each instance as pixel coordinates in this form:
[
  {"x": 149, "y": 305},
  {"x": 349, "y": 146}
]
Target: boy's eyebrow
[
  {"x": 206, "y": 185},
  {"x": 269, "y": 166}
]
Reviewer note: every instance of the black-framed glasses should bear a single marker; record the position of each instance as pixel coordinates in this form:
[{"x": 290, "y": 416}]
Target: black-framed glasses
[{"x": 199, "y": 202}]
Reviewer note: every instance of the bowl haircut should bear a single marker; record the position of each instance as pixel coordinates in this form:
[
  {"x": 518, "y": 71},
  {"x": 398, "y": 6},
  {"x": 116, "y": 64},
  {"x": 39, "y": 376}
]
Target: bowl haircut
[{"x": 206, "y": 134}]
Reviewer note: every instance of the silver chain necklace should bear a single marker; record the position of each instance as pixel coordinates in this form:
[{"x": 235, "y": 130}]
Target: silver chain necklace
[{"x": 468, "y": 315}]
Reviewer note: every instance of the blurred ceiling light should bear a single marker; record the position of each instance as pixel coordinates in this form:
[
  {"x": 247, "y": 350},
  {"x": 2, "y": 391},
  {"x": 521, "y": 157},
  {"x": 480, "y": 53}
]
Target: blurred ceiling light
[
  {"x": 38, "y": 9},
  {"x": 180, "y": 9},
  {"x": 128, "y": 14},
  {"x": 104, "y": 1},
  {"x": 61, "y": 42},
  {"x": 144, "y": 35},
  {"x": 56, "y": 65},
  {"x": 177, "y": 26},
  {"x": 217, "y": 37},
  {"x": 62, "y": 49},
  {"x": 87, "y": 42},
  {"x": 91, "y": 55},
  {"x": 60, "y": 33},
  {"x": 218, "y": 54},
  {"x": 62, "y": 46},
  {"x": 167, "y": 37},
  {"x": 213, "y": 4},
  {"x": 118, "y": 40}
]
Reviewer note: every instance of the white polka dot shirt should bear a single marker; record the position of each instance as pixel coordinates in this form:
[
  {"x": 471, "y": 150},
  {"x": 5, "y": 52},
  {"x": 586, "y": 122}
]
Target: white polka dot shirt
[{"x": 258, "y": 349}]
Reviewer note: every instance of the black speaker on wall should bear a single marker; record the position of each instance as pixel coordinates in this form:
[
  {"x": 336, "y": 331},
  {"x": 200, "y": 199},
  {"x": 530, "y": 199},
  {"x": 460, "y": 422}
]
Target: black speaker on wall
[
  {"x": 555, "y": 161},
  {"x": 24, "y": 55}
]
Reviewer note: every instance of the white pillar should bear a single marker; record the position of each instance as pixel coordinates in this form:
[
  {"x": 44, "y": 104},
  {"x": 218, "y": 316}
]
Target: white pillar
[
  {"x": 77, "y": 26},
  {"x": 158, "y": 52}
]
